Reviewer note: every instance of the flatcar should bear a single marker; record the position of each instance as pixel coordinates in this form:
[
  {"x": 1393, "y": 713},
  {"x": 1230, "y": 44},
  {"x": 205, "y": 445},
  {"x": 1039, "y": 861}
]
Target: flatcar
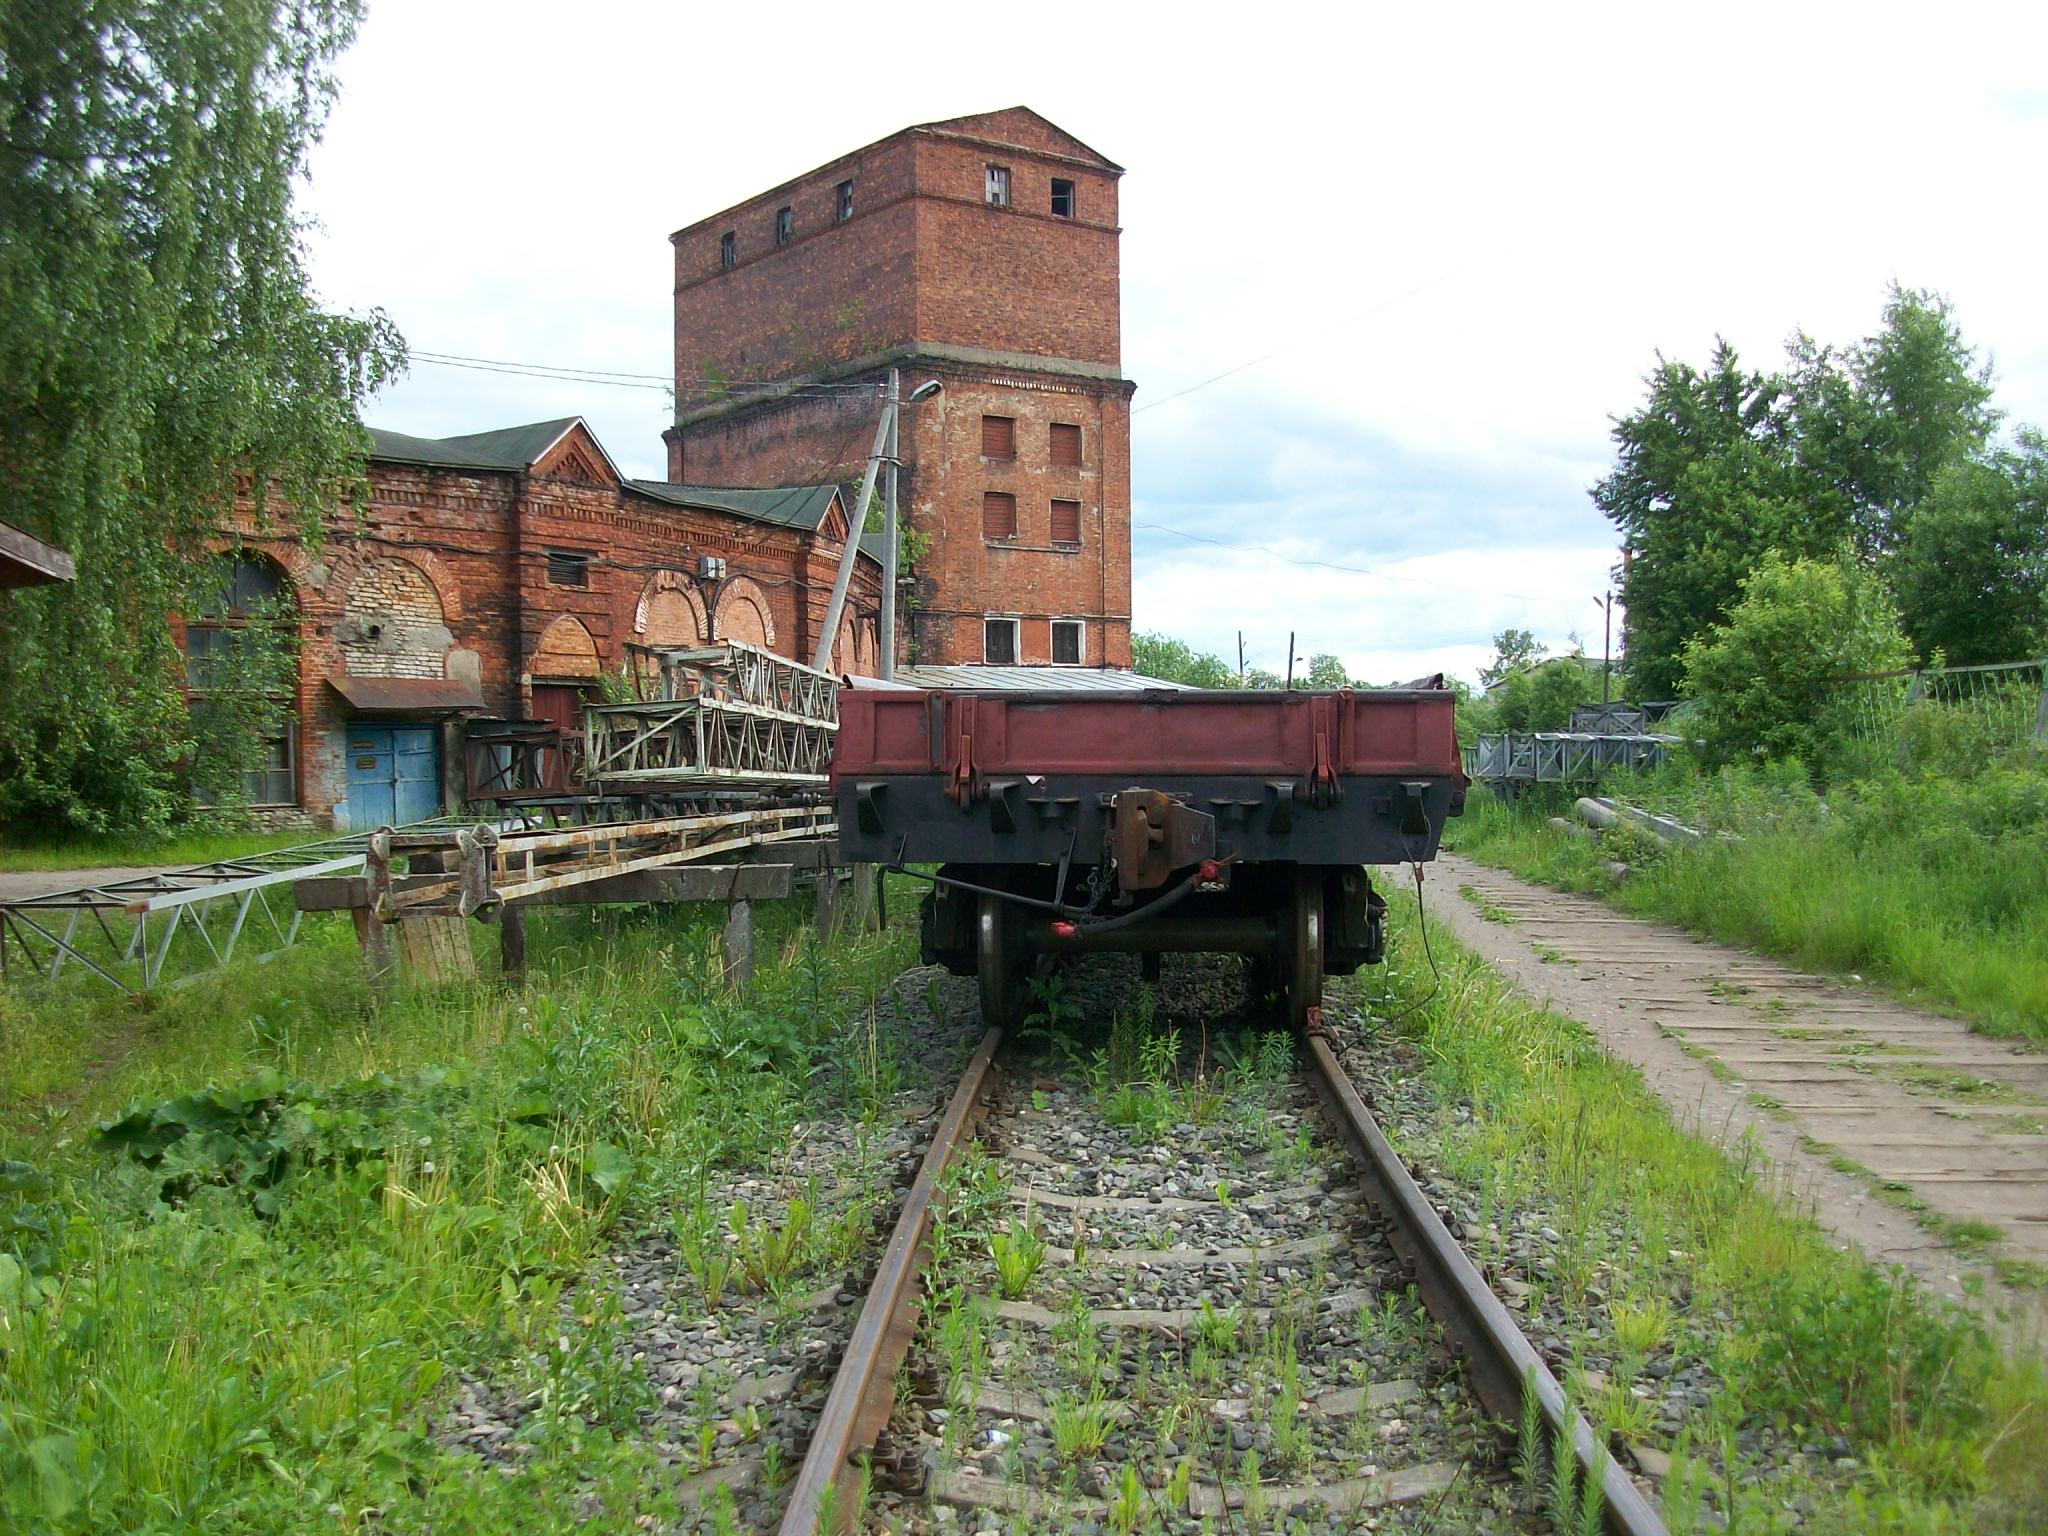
[{"x": 1149, "y": 820}]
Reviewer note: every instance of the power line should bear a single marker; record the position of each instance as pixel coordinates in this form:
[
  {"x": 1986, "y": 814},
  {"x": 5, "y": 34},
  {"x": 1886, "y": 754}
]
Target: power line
[
  {"x": 617, "y": 379},
  {"x": 1263, "y": 357}
]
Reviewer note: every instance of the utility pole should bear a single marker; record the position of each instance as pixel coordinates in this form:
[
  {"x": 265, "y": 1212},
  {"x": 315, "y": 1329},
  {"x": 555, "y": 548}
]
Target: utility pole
[
  {"x": 887, "y": 629},
  {"x": 856, "y": 520},
  {"x": 1240, "y": 658},
  {"x": 1607, "y": 646},
  {"x": 1290, "y": 660}
]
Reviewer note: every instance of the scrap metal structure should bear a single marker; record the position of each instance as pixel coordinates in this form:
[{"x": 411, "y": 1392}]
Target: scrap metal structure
[
  {"x": 167, "y": 927},
  {"x": 1600, "y": 738}
]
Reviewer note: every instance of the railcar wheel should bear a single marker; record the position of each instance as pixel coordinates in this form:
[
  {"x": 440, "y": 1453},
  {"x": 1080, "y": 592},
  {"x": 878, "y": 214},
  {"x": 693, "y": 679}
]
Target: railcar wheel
[
  {"x": 1305, "y": 947},
  {"x": 999, "y": 962}
]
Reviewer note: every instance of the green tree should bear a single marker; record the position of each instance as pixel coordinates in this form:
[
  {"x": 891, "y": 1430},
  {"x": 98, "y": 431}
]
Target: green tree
[
  {"x": 1175, "y": 661},
  {"x": 1876, "y": 423},
  {"x": 160, "y": 350},
  {"x": 1972, "y": 571},
  {"x": 1703, "y": 484},
  {"x": 1513, "y": 649},
  {"x": 1542, "y": 698},
  {"x": 1762, "y": 679},
  {"x": 1324, "y": 671}
]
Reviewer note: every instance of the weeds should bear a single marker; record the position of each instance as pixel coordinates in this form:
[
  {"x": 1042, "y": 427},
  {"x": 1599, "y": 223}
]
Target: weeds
[
  {"x": 1018, "y": 1251},
  {"x": 1079, "y": 1425}
]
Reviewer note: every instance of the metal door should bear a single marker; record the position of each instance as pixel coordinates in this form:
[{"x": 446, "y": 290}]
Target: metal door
[{"x": 394, "y": 775}]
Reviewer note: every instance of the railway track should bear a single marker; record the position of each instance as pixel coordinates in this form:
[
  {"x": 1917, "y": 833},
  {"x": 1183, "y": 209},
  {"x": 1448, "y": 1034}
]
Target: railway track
[{"x": 1184, "y": 1305}]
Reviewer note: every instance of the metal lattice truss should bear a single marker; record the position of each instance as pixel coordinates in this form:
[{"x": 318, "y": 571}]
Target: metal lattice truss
[
  {"x": 1562, "y": 757},
  {"x": 481, "y": 867},
  {"x": 733, "y": 715},
  {"x": 165, "y": 928}
]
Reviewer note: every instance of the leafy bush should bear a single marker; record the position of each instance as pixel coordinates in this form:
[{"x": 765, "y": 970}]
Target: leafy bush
[{"x": 1761, "y": 678}]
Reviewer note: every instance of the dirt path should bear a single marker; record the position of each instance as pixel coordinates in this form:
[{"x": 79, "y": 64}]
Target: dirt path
[
  {"x": 1821, "y": 1073},
  {"x": 15, "y": 884}
]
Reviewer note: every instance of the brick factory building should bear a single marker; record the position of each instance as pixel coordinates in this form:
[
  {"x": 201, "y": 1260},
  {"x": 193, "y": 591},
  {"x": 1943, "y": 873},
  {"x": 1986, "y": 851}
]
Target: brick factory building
[
  {"x": 499, "y": 574},
  {"x": 980, "y": 252}
]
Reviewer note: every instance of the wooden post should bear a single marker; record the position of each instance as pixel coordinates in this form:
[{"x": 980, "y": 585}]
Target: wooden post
[
  {"x": 512, "y": 940},
  {"x": 826, "y": 914},
  {"x": 739, "y": 944},
  {"x": 863, "y": 898},
  {"x": 380, "y": 954}
]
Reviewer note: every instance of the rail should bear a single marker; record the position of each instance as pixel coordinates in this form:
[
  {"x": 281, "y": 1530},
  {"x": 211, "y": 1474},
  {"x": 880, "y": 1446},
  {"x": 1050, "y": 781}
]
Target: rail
[{"x": 1501, "y": 1363}]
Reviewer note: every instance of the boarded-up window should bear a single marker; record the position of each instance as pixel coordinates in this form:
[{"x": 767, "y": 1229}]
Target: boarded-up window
[
  {"x": 728, "y": 250},
  {"x": 1066, "y": 522},
  {"x": 1067, "y": 642},
  {"x": 999, "y": 437},
  {"x": 1066, "y": 445},
  {"x": 998, "y": 515},
  {"x": 999, "y": 642},
  {"x": 568, "y": 568}
]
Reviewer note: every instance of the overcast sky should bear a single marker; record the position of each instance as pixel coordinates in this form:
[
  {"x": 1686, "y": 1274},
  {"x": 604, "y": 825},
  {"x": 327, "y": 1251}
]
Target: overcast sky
[{"x": 1465, "y": 235}]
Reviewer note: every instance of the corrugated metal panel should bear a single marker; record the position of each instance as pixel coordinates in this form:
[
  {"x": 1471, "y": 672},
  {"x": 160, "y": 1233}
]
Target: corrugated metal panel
[
  {"x": 1066, "y": 522},
  {"x": 999, "y": 437},
  {"x": 1066, "y": 445},
  {"x": 998, "y": 515},
  {"x": 1027, "y": 679}
]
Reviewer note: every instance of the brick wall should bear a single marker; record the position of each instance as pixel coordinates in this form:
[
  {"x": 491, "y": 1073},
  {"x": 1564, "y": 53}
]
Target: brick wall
[
  {"x": 977, "y": 281},
  {"x": 446, "y": 576}
]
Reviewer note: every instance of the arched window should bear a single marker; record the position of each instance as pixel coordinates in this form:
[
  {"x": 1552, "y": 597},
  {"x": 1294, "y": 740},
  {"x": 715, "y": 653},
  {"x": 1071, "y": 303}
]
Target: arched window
[{"x": 240, "y": 673}]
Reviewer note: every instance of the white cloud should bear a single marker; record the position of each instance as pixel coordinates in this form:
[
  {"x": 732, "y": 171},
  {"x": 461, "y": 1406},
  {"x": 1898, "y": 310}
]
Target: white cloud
[{"x": 1577, "y": 191}]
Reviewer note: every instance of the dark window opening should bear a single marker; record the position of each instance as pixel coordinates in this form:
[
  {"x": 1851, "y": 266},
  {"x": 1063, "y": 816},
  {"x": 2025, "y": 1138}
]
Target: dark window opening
[
  {"x": 1062, "y": 198},
  {"x": 842, "y": 204},
  {"x": 568, "y": 568},
  {"x": 998, "y": 515},
  {"x": 996, "y": 186},
  {"x": 1066, "y": 445},
  {"x": 728, "y": 250},
  {"x": 1067, "y": 642},
  {"x": 1066, "y": 522},
  {"x": 999, "y": 642},
  {"x": 999, "y": 437},
  {"x": 785, "y": 225}
]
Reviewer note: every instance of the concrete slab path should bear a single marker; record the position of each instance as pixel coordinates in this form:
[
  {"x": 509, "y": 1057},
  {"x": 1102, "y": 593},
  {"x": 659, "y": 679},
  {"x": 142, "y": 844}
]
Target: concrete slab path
[{"x": 1818, "y": 1070}]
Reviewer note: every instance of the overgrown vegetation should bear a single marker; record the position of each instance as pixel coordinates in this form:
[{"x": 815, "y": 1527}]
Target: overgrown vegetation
[
  {"x": 1669, "y": 1251},
  {"x": 1931, "y": 877},
  {"x": 161, "y": 351},
  {"x": 239, "y": 1271}
]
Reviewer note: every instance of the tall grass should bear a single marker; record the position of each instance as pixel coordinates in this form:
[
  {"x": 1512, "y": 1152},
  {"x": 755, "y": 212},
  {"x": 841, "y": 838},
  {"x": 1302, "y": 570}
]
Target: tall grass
[
  {"x": 206, "y": 1344},
  {"x": 1934, "y": 882},
  {"x": 1654, "y": 1241}
]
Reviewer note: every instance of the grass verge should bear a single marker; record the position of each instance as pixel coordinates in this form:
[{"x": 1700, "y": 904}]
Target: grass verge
[
  {"x": 240, "y": 1273},
  {"x": 1935, "y": 886},
  {"x": 1841, "y": 1398},
  {"x": 127, "y": 852}
]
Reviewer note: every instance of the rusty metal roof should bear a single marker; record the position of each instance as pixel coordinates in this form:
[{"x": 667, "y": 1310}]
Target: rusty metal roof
[
  {"x": 26, "y": 561},
  {"x": 1028, "y": 679},
  {"x": 407, "y": 695}
]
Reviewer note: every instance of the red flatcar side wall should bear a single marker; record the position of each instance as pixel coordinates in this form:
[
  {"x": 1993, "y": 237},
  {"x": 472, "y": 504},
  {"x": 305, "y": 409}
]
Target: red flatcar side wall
[{"x": 1381, "y": 732}]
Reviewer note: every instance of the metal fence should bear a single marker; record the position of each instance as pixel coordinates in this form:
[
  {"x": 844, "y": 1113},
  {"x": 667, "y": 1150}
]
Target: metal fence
[{"x": 1999, "y": 707}]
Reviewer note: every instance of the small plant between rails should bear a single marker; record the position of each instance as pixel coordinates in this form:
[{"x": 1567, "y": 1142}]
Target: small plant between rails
[{"x": 1159, "y": 1298}]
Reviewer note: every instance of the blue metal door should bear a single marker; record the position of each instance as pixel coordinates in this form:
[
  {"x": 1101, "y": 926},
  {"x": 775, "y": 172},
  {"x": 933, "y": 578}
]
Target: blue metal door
[{"x": 394, "y": 775}]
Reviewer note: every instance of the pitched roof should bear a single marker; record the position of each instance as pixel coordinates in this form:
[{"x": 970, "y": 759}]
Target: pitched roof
[
  {"x": 507, "y": 448},
  {"x": 1023, "y": 128},
  {"x": 803, "y": 507}
]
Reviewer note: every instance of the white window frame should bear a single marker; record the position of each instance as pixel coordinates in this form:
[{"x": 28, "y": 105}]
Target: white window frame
[
  {"x": 1016, "y": 623},
  {"x": 1080, "y": 643},
  {"x": 996, "y": 186}
]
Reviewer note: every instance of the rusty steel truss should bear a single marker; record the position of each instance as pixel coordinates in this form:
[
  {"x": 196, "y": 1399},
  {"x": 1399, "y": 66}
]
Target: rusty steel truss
[
  {"x": 474, "y": 870},
  {"x": 730, "y": 715}
]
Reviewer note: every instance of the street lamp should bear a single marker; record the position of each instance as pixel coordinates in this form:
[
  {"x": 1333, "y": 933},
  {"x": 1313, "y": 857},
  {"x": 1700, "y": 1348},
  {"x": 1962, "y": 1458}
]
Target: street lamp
[{"x": 883, "y": 452}]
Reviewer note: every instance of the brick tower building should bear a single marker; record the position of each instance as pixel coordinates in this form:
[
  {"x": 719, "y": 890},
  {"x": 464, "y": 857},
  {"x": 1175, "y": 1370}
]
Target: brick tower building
[{"x": 980, "y": 252}]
